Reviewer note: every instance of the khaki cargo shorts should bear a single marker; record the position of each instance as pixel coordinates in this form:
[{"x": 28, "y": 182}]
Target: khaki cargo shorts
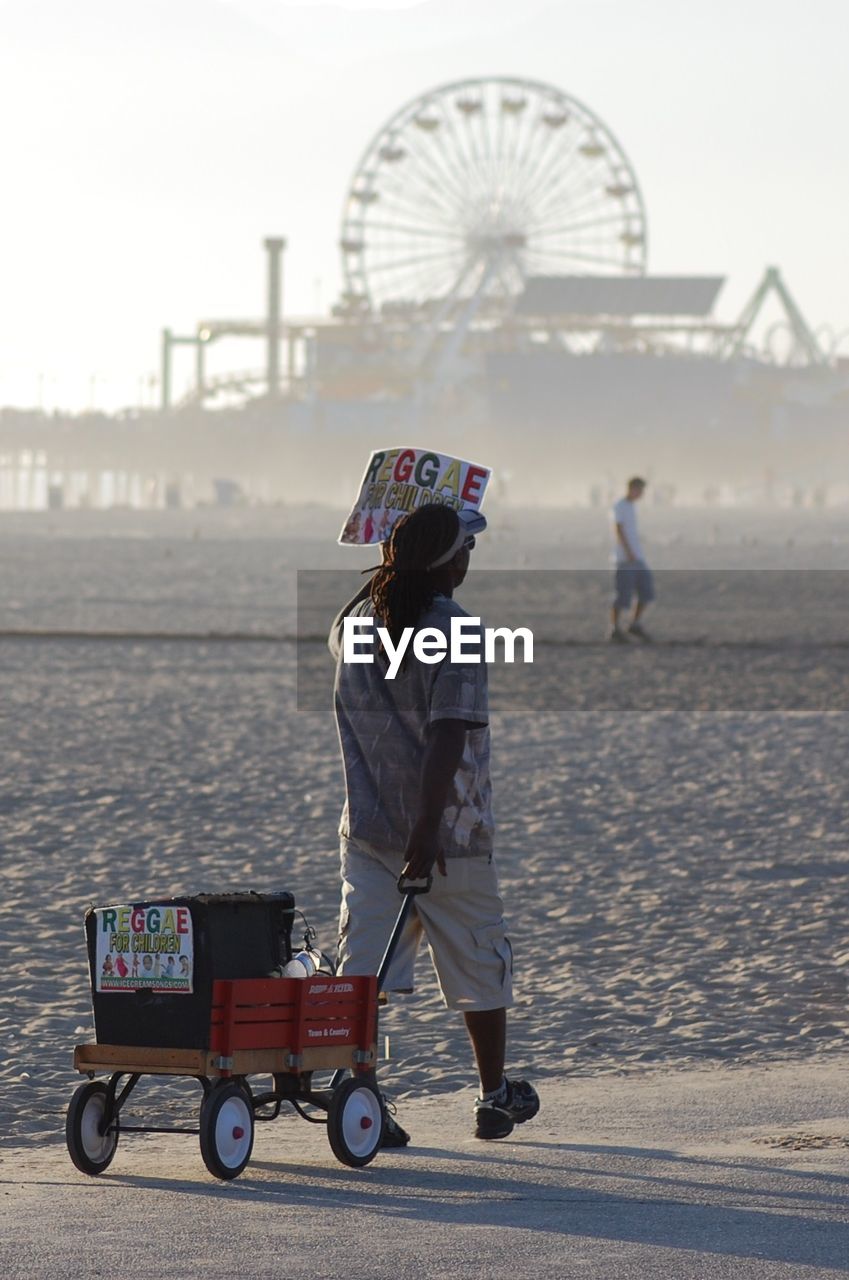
[{"x": 462, "y": 918}]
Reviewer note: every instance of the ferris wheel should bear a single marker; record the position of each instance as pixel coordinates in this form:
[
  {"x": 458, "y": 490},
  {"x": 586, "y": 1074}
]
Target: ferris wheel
[{"x": 475, "y": 186}]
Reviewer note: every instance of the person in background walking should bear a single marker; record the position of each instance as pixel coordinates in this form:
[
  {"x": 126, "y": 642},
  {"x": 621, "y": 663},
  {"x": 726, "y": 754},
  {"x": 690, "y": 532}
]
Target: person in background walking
[{"x": 633, "y": 576}]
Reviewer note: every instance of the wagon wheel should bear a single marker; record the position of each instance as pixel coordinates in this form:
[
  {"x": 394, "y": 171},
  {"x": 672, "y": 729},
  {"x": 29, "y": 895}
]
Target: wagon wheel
[
  {"x": 226, "y": 1129},
  {"x": 92, "y": 1141},
  {"x": 355, "y": 1122}
]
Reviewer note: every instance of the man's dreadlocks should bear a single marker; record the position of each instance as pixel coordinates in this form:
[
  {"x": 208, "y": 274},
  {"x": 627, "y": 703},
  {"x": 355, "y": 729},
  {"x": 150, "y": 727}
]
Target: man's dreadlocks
[{"x": 402, "y": 589}]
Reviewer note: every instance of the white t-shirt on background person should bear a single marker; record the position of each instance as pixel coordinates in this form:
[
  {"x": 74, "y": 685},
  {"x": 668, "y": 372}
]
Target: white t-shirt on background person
[{"x": 625, "y": 513}]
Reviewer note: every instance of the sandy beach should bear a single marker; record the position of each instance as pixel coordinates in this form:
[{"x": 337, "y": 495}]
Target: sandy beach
[{"x": 672, "y": 836}]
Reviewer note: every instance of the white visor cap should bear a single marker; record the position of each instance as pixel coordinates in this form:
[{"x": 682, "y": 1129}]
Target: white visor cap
[{"x": 472, "y": 523}]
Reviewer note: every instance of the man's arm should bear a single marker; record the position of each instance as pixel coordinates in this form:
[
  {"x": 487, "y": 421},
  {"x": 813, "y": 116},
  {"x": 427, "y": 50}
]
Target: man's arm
[
  {"x": 334, "y": 640},
  {"x": 620, "y": 531},
  {"x": 443, "y": 753}
]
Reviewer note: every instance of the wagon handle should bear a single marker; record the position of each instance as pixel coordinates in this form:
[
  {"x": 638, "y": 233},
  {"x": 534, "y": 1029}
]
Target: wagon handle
[{"x": 412, "y": 887}]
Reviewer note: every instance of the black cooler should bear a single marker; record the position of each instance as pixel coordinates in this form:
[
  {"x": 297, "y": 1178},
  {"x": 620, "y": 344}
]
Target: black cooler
[{"x": 233, "y": 935}]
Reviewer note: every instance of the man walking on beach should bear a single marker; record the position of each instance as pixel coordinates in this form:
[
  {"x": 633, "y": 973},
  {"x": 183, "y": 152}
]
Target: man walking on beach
[
  {"x": 633, "y": 576},
  {"x": 415, "y": 752}
]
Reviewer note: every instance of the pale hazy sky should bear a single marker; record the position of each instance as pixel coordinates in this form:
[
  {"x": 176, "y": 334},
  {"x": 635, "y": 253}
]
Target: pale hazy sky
[{"x": 148, "y": 146}]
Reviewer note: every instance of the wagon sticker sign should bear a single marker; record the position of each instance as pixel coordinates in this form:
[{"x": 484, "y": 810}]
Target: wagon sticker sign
[
  {"x": 398, "y": 481},
  {"x": 146, "y": 948}
]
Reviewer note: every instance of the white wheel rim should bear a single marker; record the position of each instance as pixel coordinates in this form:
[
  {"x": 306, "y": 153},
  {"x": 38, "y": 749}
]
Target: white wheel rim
[
  {"x": 233, "y": 1132},
  {"x": 361, "y": 1122},
  {"x": 96, "y": 1145}
]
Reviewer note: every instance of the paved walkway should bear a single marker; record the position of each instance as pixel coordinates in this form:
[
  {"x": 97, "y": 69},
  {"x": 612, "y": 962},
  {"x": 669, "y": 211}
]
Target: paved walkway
[{"x": 726, "y": 1173}]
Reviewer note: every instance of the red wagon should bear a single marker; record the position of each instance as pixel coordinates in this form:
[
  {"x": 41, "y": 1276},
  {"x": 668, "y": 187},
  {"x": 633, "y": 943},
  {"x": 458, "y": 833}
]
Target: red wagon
[{"x": 283, "y": 1028}]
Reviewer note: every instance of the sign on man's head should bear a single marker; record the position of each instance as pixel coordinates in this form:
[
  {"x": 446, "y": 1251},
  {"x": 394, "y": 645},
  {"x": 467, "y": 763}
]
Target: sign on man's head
[{"x": 398, "y": 481}]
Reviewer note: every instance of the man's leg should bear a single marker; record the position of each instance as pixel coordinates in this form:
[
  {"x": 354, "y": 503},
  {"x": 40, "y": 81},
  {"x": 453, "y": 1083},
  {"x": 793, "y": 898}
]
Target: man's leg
[
  {"x": 502, "y": 1103},
  {"x": 370, "y": 905},
  {"x": 465, "y": 907},
  {"x": 621, "y": 600},
  {"x": 487, "y": 1030},
  {"x": 645, "y": 596},
  {"x": 369, "y": 909}
]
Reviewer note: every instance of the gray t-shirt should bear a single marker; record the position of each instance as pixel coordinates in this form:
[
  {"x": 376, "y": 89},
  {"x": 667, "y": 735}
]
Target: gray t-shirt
[{"x": 383, "y": 727}]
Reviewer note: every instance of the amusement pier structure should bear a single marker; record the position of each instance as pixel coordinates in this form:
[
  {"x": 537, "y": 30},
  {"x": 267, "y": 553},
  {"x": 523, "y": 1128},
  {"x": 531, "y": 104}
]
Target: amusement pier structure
[{"x": 496, "y": 304}]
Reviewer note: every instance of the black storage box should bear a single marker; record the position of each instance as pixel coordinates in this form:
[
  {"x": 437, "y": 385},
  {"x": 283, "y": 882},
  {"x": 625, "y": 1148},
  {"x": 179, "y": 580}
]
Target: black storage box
[{"x": 234, "y": 935}]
